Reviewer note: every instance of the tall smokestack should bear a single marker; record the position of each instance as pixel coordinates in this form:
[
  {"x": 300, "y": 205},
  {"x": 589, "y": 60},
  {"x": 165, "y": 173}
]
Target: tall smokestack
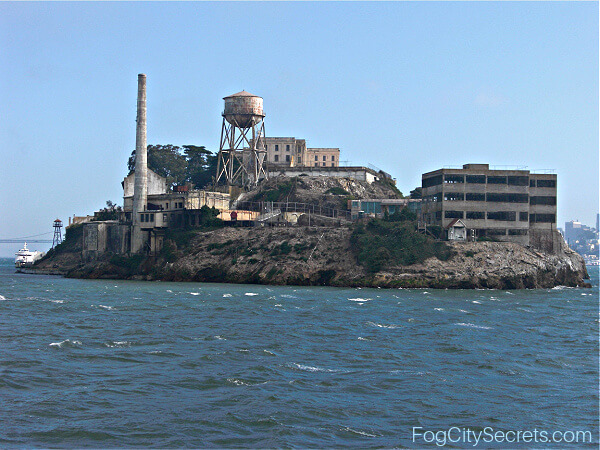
[{"x": 140, "y": 186}]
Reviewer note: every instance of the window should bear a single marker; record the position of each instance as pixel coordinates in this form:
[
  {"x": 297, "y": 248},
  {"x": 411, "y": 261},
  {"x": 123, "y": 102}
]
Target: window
[
  {"x": 165, "y": 218},
  {"x": 507, "y": 198},
  {"x": 287, "y": 148},
  {"x": 276, "y": 147},
  {"x": 432, "y": 181},
  {"x": 475, "y": 179},
  {"x": 316, "y": 157},
  {"x": 517, "y": 232},
  {"x": 531, "y": 183},
  {"x": 475, "y": 197},
  {"x": 324, "y": 164},
  {"x": 523, "y": 216},
  {"x": 454, "y": 196},
  {"x": 542, "y": 218},
  {"x": 496, "y": 180},
  {"x": 299, "y": 159},
  {"x": 438, "y": 215},
  {"x": 287, "y": 158},
  {"x": 324, "y": 158},
  {"x": 167, "y": 205},
  {"x": 506, "y": 216},
  {"x": 454, "y": 179},
  {"x": 453, "y": 214},
  {"x": 333, "y": 157},
  {"x": 151, "y": 217},
  {"x": 276, "y": 158},
  {"x": 546, "y": 183},
  {"x": 518, "y": 181},
  {"x": 475, "y": 215},
  {"x": 496, "y": 232},
  {"x": 332, "y": 164},
  {"x": 298, "y": 149},
  {"x": 542, "y": 201}
]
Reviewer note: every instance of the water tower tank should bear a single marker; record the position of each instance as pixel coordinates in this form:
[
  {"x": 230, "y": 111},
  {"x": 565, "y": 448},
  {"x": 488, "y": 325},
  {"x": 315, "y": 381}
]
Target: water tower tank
[{"x": 243, "y": 109}]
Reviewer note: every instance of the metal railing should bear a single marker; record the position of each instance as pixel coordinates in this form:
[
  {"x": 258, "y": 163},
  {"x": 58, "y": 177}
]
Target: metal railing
[{"x": 302, "y": 208}]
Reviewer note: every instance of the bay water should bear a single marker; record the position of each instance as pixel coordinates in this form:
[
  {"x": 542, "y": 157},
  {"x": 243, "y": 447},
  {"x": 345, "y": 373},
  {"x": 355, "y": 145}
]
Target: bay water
[{"x": 103, "y": 363}]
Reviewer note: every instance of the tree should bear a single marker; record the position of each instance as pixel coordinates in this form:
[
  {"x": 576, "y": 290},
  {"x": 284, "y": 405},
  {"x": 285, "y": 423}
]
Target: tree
[
  {"x": 180, "y": 165},
  {"x": 110, "y": 212},
  {"x": 416, "y": 193}
]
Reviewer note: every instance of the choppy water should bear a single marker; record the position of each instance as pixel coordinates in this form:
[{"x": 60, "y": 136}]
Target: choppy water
[{"x": 116, "y": 363}]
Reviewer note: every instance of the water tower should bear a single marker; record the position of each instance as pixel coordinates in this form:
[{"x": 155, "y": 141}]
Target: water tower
[{"x": 242, "y": 151}]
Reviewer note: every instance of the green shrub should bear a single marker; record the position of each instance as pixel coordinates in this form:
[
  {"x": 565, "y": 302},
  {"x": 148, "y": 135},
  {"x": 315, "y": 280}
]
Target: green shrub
[{"x": 381, "y": 244}]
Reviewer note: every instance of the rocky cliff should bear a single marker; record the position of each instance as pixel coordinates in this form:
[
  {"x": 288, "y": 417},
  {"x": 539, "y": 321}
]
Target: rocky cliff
[{"x": 329, "y": 256}]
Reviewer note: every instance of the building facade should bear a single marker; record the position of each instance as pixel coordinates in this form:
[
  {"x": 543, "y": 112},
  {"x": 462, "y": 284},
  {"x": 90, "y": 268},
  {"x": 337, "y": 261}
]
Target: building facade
[
  {"x": 508, "y": 205},
  {"x": 292, "y": 152}
]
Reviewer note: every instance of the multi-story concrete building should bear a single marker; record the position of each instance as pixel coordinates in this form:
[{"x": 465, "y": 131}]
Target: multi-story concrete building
[
  {"x": 509, "y": 205},
  {"x": 292, "y": 152}
]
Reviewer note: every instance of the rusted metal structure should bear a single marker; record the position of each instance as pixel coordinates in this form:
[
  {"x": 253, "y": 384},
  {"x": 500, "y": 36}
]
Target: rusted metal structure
[
  {"x": 57, "y": 238},
  {"x": 242, "y": 151}
]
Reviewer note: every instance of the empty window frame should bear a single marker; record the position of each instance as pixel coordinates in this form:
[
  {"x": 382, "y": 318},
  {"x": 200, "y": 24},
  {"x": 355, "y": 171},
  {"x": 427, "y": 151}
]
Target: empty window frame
[
  {"x": 454, "y": 196},
  {"x": 451, "y": 179},
  {"x": 475, "y": 179},
  {"x": 542, "y": 218},
  {"x": 453, "y": 214},
  {"x": 276, "y": 147},
  {"x": 505, "y": 216},
  {"x": 518, "y": 232},
  {"x": 475, "y": 197},
  {"x": 432, "y": 181},
  {"x": 546, "y": 183},
  {"x": 518, "y": 180},
  {"x": 475, "y": 215},
  {"x": 523, "y": 216},
  {"x": 287, "y": 158},
  {"x": 287, "y": 148},
  {"x": 496, "y": 180},
  {"x": 542, "y": 200},
  {"x": 276, "y": 158},
  {"x": 507, "y": 198}
]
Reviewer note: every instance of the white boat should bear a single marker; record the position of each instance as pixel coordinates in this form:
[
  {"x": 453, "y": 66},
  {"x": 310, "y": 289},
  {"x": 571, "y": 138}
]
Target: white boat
[{"x": 26, "y": 257}]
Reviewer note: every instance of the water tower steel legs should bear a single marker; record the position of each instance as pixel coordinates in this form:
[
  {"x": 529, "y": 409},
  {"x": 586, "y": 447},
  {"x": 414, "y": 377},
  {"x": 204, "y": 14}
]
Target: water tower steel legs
[{"x": 236, "y": 163}]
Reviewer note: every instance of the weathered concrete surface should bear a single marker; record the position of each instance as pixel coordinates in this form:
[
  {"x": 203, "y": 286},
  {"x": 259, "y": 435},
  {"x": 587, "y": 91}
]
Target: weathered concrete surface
[{"x": 323, "y": 256}]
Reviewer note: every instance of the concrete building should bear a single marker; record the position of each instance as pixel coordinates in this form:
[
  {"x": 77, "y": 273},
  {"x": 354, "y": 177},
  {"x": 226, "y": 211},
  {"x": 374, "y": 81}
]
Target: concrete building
[
  {"x": 508, "y": 205},
  {"x": 292, "y": 152},
  {"x": 354, "y": 172},
  {"x": 377, "y": 207}
]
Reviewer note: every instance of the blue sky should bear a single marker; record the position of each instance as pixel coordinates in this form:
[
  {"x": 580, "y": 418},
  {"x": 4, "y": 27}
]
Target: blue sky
[{"x": 409, "y": 87}]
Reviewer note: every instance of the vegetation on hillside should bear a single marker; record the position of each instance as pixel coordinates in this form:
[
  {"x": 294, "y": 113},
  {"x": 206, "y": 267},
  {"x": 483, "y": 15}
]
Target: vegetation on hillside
[{"x": 381, "y": 244}]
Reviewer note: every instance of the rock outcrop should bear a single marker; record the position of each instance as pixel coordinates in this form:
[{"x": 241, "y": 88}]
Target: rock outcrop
[{"x": 324, "y": 256}]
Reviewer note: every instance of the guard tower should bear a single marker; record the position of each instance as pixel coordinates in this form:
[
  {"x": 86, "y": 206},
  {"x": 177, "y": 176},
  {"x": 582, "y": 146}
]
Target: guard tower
[
  {"x": 242, "y": 151},
  {"x": 57, "y": 239}
]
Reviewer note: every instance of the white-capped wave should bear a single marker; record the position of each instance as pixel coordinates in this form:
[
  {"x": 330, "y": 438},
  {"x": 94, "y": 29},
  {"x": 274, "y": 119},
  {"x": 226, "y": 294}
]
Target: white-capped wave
[
  {"x": 310, "y": 368},
  {"x": 269, "y": 353},
  {"x": 169, "y": 291},
  {"x": 380, "y": 325},
  {"x": 110, "y": 308},
  {"x": 118, "y": 344},
  {"x": 463, "y": 311},
  {"x": 227, "y": 295},
  {"x": 358, "y": 299},
  {"x": 57, "y": 301},
  {"x": 472, "y": 325},
  {"x": 475, "y": 301},
  {"x": 360, "y": 338},
  {"x": 65, "y": 343},
  {"x": 250, "y": 294},
  {"x": 219, "y": 338},
  {"x": 194, "y": 293},
  {"x": 2, "y": 297},
  {"x": 362, "y": 433},
  {"x": 439, "y": 309}
]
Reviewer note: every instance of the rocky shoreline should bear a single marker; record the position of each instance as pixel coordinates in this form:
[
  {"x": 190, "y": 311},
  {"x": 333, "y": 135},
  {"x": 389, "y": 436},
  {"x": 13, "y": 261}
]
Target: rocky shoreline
[{"x": 322, "y": 256}]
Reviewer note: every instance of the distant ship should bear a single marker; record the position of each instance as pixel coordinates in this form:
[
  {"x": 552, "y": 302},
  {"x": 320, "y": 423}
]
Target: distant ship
[{"x": 26, "y": 257}]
